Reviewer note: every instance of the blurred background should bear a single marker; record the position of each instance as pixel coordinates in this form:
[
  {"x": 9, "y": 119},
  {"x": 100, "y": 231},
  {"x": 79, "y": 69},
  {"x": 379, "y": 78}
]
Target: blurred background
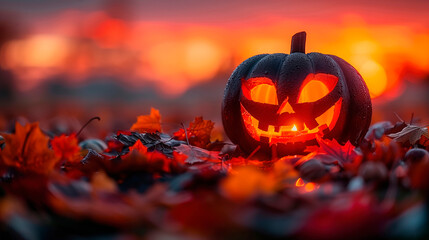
[{"x": 63, "y": 62}]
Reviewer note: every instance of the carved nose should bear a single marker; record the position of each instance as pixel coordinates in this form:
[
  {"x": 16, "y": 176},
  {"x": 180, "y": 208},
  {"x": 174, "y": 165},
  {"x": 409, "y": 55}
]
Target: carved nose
[{"x": 285, "y": 107}]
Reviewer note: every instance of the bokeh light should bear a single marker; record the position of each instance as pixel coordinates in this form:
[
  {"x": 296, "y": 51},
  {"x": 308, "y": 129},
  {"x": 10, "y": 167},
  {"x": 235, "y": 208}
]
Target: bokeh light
[{"x": 172, "y": 57}]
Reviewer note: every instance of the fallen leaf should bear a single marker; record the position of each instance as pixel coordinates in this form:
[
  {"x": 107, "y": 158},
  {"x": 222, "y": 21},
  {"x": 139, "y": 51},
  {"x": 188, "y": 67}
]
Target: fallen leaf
[
  {"x": 203, "y": 212},
  {"x": 113, "y": 145},
  {"x": 196, "y": 154},
  {"x": 153, "y": 141},
  {"x": 377, "y": 130},
  {"x": 102, "y": 182},
  {"x": 248, "y": 182},
  {"x": 385, "y": 150},
  {"x": 343, "y": 153},
  {"x": 198, "y": 132},
  {"x": 148, "y": 123},
  {"x": 140, "y": 157},
  {"x": 1, "y": 142},
  {"x": 94, "y": 144},
  {"x": 360, "y": 217},
  {"x": 410, "y": 133},
  {"x": 137, "y": 159},
  {"x": 81, "y": 200},
  {"x": 27, "y": 150},
  {"x": 238, "y": 162},
  {"x": 66, "y": 147},
  {"x": 139, "y": 147}
]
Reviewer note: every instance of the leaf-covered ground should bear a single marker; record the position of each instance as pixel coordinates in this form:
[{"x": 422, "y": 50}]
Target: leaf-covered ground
[{"x": 143, "y": 183}]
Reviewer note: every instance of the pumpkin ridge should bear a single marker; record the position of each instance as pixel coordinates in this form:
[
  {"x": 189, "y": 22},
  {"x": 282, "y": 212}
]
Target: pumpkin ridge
[
  {"x": 320, "y": 59},
  {"x": 278, "y": 72},
  {"x": 360, "y": 105},
  {"x": 293, "y": 71},
  {"x": 254, "y": 65},
  {"x": 230, "y": 108}
]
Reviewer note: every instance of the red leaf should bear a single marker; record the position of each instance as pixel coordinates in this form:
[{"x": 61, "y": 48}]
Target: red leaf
[
  {"x": 138, "y": 159},
  {"x": 343, "y": 153},
  {"x": 138, "y": 147},
  {"x": 198, "y": 132},
  {"x": 66, "y": 147}
]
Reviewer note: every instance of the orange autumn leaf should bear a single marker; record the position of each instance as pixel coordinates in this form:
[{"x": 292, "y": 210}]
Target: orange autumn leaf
[
  {"x": 148, "y": 123},
  {"x": 248, "y": 182},
  {"x": 198, "y": 133},
  {"x": 66, "y": 147},
  {"x": 27, "y": 150}
]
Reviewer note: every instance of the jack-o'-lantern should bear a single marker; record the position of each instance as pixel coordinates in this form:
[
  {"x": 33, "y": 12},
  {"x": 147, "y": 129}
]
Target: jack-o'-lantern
[{"x": 282, "y": 102}]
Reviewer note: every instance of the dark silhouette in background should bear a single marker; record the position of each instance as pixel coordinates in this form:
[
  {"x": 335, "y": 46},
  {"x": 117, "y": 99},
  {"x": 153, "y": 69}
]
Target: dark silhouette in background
[{"x": 6, "y": 77}]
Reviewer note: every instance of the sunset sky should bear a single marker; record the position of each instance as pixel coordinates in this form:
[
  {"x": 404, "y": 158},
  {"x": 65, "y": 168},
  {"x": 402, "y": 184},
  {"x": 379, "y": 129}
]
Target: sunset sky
[
  {"x": 175, "y": 45},
  {"x": 237, "y": 11}
]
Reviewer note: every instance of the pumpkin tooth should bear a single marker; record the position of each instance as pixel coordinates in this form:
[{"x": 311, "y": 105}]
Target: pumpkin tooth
[{"x": 277, "y": 129}]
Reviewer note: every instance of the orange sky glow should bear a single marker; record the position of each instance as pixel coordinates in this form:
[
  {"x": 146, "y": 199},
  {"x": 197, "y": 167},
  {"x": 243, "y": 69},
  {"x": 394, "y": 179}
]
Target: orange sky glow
[{"x": 174, "y": 56}]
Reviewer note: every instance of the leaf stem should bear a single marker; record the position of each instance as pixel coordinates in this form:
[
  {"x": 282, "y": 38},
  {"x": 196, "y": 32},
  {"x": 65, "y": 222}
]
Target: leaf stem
[
  {"x": 86, "y": 124},
  {"x": 25, "y": 141}
]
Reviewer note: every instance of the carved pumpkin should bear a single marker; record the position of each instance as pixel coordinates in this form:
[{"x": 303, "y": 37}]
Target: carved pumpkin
[{"x": 281, "y": 102}]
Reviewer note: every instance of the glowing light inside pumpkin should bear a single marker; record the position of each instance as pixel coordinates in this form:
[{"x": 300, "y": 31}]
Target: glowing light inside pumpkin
[
  {"x": 285, "y": 107},
  {"x": 313, "y": 91},
  {"x": 264, "y": 93},
  {"x": 314, "y": 88},
  {"x": 284, "y": 133}
]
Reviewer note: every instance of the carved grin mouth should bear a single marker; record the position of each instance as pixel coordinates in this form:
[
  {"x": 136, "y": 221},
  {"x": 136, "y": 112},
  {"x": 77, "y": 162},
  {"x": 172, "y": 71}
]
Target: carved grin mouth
[{"x": 286, "y": 133}]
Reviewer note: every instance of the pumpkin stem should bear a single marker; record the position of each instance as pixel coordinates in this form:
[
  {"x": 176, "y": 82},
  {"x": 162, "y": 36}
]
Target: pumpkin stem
[{"x": 298, "y": 42}]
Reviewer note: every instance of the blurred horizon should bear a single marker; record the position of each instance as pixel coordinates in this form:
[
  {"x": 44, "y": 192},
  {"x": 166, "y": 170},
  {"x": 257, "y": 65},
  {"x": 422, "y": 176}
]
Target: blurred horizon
[{"x": 62, "y": 57}]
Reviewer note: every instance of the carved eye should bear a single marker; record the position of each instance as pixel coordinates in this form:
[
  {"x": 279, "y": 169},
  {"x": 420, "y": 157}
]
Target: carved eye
[
  {"x": 264, "y": 93},
  {"x": 261, "y": 90},
  {"x": 313, "y": 91},
  {"x": 316, "y": 86}
]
